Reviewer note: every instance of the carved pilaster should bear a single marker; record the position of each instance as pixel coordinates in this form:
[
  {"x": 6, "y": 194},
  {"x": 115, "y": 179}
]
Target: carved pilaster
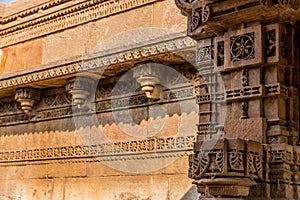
[{"x": 257, "y": 57}]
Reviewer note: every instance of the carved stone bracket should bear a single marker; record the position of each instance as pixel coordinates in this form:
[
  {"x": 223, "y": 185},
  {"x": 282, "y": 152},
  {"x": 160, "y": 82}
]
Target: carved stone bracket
[
  {"x": 27, "y": 97},
  {"x": 198, "y": 12},
  {"x": 226, "y": 167},
  {"x": 150, "y": 77},
  {"x": 80, "y": 89}
]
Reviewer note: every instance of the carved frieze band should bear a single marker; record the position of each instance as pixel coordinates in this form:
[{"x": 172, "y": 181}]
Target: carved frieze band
[
  {"x": 33, "y": 10},
  {"x": 105, "y": 151},
  {"x": 58, "y": 105},
  {"x": 109, "y": 158},
  {"x": 78, "y": 14},
  {"x": 98, "y": 62}
]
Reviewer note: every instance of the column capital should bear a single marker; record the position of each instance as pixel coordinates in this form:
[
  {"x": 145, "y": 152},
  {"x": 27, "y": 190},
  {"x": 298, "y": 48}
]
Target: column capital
[{"x": 207, "y": 18}]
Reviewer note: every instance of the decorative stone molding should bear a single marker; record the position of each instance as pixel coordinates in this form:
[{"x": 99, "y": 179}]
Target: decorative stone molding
[
  {"x": 66, "y": 18},
  {"x": 233, "y": 164},
  {"x": 33, "y": 10},
  {"x": 80, "y": 89},
  {"x": 27, "y": 97},
  {"x": 150, "y": 76},
  {"x": 106, "y": 158},
  {"x": 75, "y": 66}
]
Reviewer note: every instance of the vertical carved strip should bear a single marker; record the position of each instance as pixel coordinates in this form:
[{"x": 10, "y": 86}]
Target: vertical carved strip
[{"x": 220, "y": 53}]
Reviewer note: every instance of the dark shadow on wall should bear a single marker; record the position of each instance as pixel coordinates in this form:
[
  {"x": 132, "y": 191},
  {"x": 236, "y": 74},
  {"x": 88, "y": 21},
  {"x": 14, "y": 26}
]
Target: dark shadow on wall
[
  {"x": 192, "y": 194},
  {"x": 129, "y": 106}
]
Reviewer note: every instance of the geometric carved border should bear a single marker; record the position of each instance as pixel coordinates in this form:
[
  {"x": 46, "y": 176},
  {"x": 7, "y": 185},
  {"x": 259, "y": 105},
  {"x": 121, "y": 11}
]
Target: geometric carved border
[
  {"x": 267, "y": 90},
  {"x": 107, "y": 151}
]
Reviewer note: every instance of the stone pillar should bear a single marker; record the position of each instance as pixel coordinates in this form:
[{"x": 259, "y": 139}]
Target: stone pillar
[{"x": 248, "y": 57}]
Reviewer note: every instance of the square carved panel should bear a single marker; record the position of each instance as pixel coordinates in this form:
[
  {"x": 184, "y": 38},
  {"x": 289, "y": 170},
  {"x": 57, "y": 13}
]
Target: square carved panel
[
  {"x": 276, "y": 42},
  {"x": 243, "y": 47}
]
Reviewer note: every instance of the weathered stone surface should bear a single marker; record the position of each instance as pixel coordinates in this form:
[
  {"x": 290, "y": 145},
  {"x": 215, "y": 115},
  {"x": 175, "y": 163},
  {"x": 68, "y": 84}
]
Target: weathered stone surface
[
  {"x": 21, "y": 56},
  {"x": 246, "y": 129},
  {"x": 66, "y": 170}
]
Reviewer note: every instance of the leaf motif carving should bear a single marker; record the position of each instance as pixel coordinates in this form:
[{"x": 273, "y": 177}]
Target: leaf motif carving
[
  {"x": 258, "y": 165},
  {"x": 251, "y": 163},
  {"x": 199, "y": 165},
  {"x": 220, "y": 161},
  {"x": 236, "y": 160},
  {"x": 199, "y": 16}
]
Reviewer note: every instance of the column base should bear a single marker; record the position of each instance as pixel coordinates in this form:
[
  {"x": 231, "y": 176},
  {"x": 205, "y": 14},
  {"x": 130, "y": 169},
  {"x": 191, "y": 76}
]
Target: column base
[{"x": 224, "y": 188}]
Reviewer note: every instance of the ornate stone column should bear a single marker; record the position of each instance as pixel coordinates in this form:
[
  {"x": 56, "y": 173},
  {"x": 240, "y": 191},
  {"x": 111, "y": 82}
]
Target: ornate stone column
[{"x": 251, "y": 49}]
